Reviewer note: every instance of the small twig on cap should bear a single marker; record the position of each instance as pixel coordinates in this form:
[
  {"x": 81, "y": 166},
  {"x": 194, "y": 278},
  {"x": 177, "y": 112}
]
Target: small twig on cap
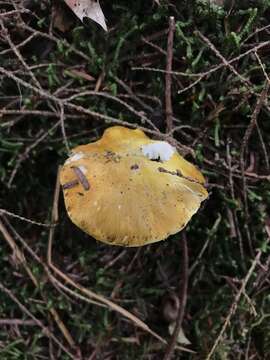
[
  {"x": 81, "y": 177},
  {"x": 70, "y": 184},
  {"x": 182, "y": 298},
  {"x": 168, "y": 76}
]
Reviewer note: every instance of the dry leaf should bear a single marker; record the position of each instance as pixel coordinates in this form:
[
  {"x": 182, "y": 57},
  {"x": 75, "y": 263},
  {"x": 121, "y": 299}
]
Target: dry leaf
[
  {"x": 81, "y": 74},
  {"x": 181, "y": 338},
  {"x": 88, "y": 8}
]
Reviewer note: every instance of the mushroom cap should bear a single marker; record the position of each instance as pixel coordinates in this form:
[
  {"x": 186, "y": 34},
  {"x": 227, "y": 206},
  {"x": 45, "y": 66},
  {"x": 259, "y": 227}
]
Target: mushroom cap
[{"x": 138, "y": 191}]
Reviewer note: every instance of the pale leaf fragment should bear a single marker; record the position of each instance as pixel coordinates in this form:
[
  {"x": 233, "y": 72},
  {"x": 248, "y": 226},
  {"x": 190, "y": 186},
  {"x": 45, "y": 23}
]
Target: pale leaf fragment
[
  {"x": 181, "y": 339},
  {"x": 81, "y": 74},
  {"x": 88, "y": 8}
]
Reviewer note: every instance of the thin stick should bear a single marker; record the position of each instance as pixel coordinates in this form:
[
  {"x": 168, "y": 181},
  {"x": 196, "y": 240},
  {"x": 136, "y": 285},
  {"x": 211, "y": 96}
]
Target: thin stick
[
  {"x": 168, "y": 76},
  {"x": 222, "y": 58},
  {"x": 182, "y": 299},
  {"x": 18, "y": 54},
  {"x": 47, "y": 270},
  {"x": 37, "y": 321},
  {"x": 16, "y": 322},
  {"x": 21, "y": 259},
  {"x": 55, "y": 214},
  {"x": 62, "y": 122},
  {"x": 209, "y": 72},
  {"x": 247, "y": 135},
  {"x": 11, "y": 214},
  {"x": 28, "y": 151},
  {"x": 262, "y": 66},
  {"x": 17, "y": 252},
  {"x": 234, "y": 304},
  {"x": 81, "y": 177}
]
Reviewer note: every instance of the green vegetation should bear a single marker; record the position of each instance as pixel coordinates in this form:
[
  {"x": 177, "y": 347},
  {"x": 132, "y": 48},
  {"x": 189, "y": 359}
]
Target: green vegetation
[{"x": 221, "y": 62}]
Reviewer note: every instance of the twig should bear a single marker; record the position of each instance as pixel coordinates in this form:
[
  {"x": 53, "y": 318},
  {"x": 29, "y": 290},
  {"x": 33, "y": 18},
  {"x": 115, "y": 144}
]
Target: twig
[
  {"x": 114, "y": 260},
  {"x": 28, "y": 151},
  {"x": 247, "y": 135},
  {"x": 54, "y": 214},
  {"x": 256, "y": 32},
  {"x": 131, "y": 93},
  {"x": 209, "y": 72},
  {"x": 62, "y": 122},
  {"x": 182, "y": 298},
  {"x": 8, "y": 213},
  {"x": 21, "y": 259},
  {"x": 15, "y": 12},
  {"x": 264, "y": 148},
  {"x": 262, "y": 66},
  {"x": 16, "y": 322},
  {"x": 234, "y": 304},
  {"x": 154, "y": 46},
  {"x": 140, "y": 114},
  {"x": 47, "y": 270},
  {"x": 26, "y": 41},
  {"x": 83, "y": 110},
  {"x": 162, "y": 71},
  {"x": 24, "y": 112},
  {"x": 18, "y": 54},
  {"x": 37, "y": 321},
  {"x": 227, "y": 63},
  {"x": 234, "y": 213},
  {"x": 168, "y": 77},
  {"x": 56, "y": 40},
  {"x": 222, "y": 58}
]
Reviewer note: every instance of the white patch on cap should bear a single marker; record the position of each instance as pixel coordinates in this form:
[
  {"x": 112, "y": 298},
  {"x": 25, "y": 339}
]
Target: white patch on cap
[
  {"x": 74, "y": 157},
  {"x": 158, "y": 150},
  {"x": 83, "y": 169}
]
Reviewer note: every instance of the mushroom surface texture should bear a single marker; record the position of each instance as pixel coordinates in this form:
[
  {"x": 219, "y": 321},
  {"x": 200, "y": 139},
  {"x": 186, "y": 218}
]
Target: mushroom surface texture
[{"x": 127, "y": 189}]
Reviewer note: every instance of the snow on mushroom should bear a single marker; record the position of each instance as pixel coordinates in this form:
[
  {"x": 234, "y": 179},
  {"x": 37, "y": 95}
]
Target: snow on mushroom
[
  {"x": 158, "y": 150},
  {"x": 116, "y": 193}
]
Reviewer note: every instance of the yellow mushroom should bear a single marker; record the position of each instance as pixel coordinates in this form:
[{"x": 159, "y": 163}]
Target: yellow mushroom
[{"x": 126, "y": 189}]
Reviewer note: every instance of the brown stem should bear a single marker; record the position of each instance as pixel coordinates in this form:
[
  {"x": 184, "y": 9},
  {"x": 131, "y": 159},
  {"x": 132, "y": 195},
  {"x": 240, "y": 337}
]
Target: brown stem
[{"x": 168, "y": 76}]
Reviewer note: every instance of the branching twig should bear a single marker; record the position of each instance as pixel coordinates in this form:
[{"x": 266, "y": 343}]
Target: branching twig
[
  {"x": 222, "y": 58},
  {"x": 18, "y": 54},
  {"x": 37, "y": 321}
]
